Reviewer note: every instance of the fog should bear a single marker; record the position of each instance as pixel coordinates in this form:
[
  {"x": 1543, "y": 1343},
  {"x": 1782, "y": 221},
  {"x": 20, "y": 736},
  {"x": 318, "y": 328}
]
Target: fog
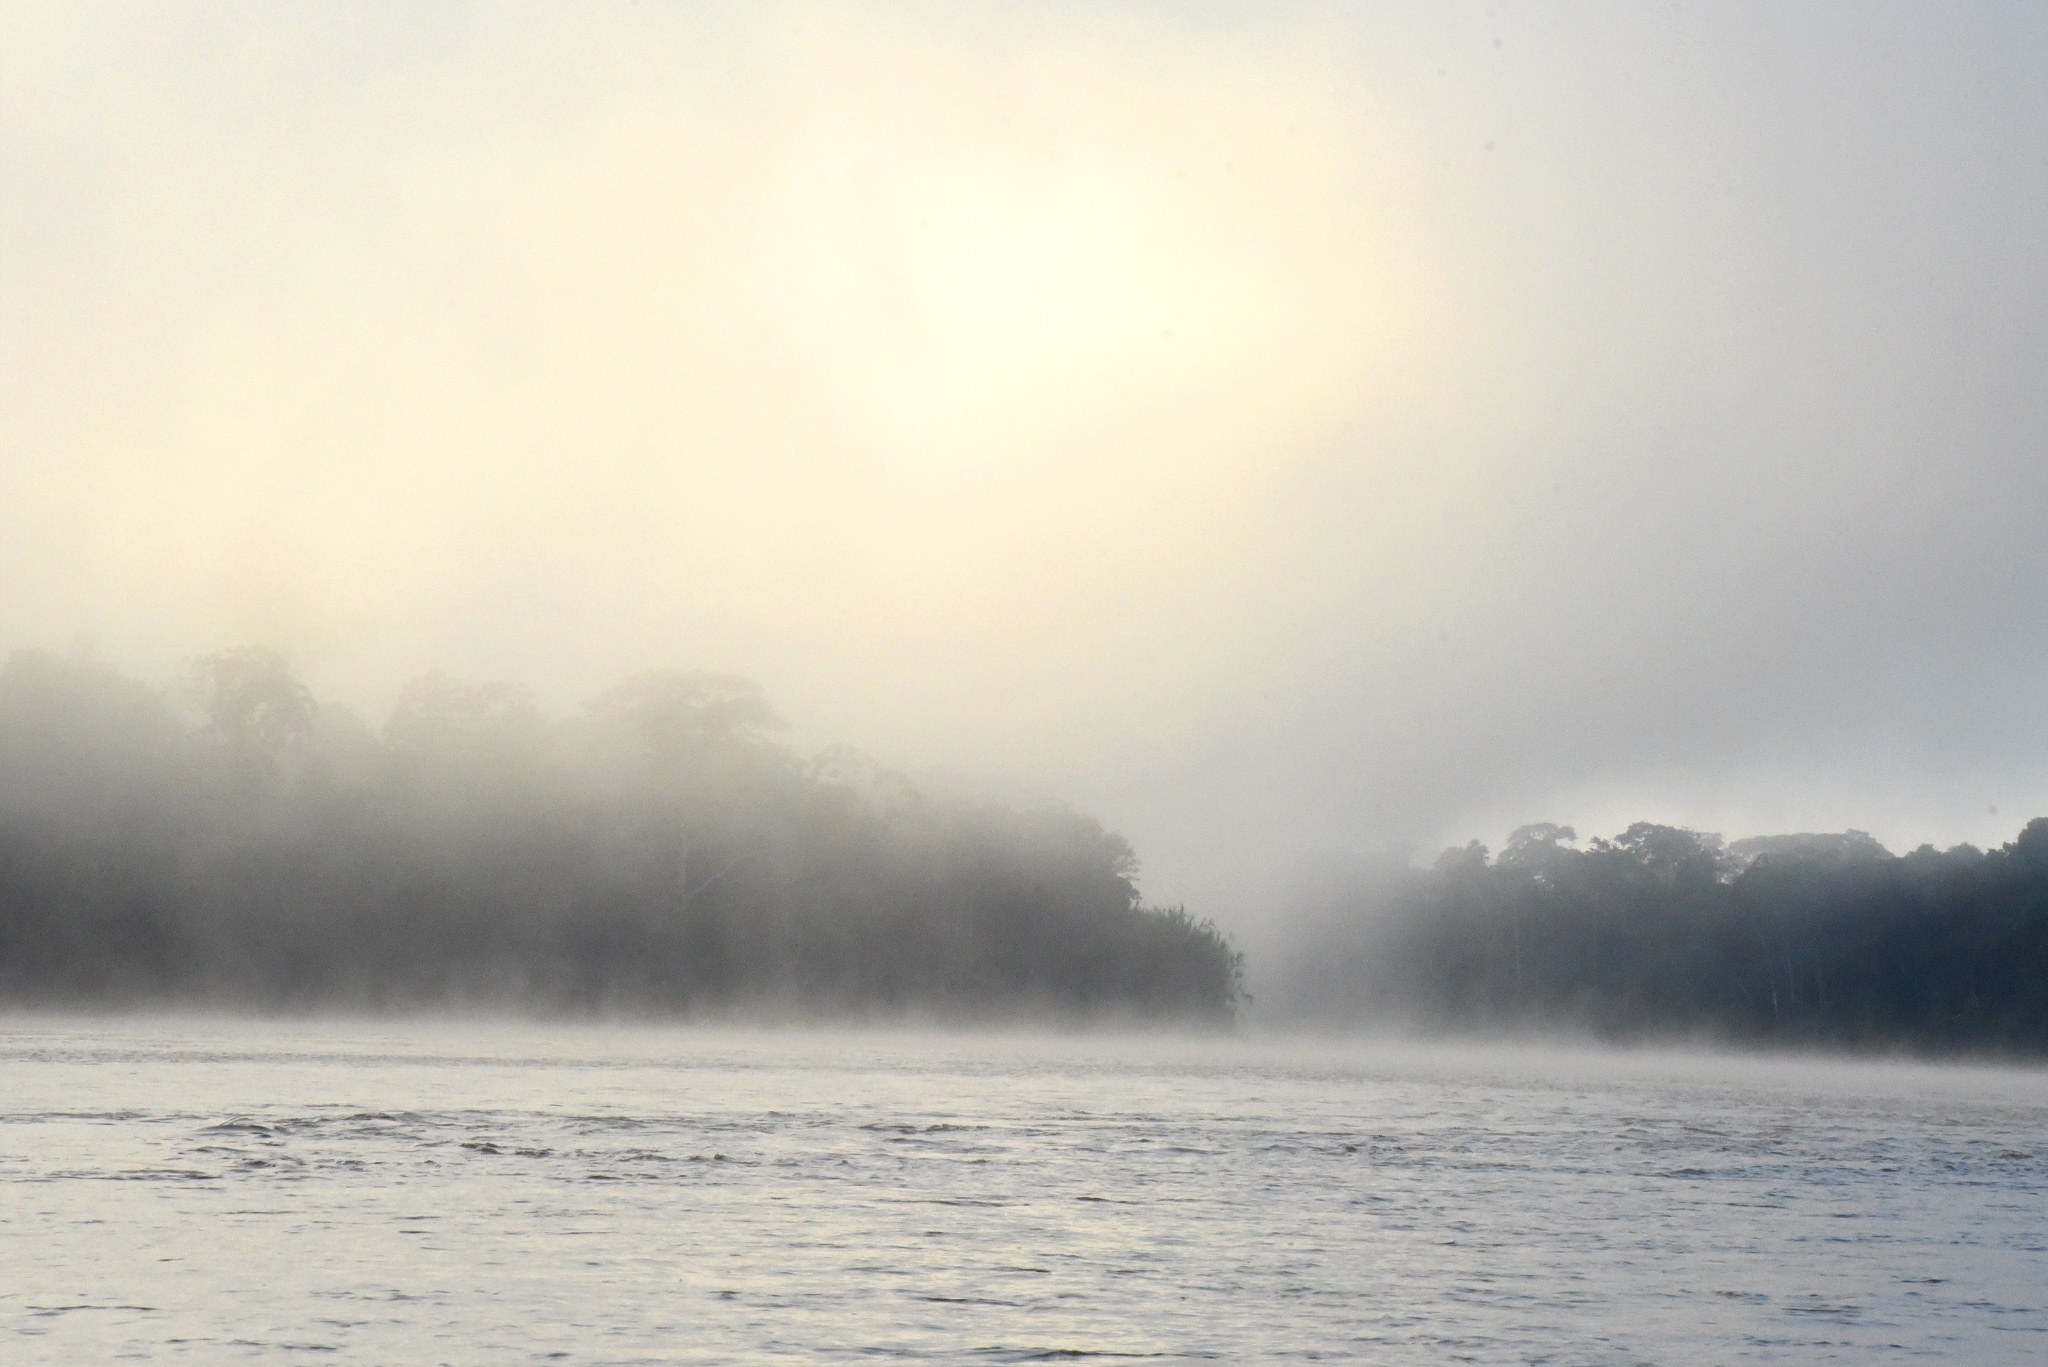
[
  {"x": 1277, "y": 431},
  {"x": 660, "y": 854}
]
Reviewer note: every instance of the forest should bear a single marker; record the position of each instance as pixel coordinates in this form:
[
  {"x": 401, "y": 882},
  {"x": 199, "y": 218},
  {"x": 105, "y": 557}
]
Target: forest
[
  {"x": 235, "y": 842},
  {"x": 1811, "y": 940}
]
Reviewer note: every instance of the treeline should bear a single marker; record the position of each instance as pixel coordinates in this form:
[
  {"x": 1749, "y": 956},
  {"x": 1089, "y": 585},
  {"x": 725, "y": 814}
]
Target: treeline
[
  {"x": 1798, "y": 939},
  {"x": 237, "y": 842}
]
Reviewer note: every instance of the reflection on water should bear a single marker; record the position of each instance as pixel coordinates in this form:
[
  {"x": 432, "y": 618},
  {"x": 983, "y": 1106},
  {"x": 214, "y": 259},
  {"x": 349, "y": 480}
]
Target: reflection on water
[{"x": 434, "y": 1193}]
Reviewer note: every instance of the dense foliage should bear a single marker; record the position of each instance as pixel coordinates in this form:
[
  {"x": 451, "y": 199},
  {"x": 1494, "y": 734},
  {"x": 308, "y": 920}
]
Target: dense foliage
[
  {"x": 658, "y": 853},
  {"x": 1824, "y": 939}
]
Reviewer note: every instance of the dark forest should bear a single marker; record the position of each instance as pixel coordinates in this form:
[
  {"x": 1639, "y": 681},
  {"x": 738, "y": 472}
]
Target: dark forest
[
  {"x": 235, "y": 842},
  {"x": 1811, "y": 940}
]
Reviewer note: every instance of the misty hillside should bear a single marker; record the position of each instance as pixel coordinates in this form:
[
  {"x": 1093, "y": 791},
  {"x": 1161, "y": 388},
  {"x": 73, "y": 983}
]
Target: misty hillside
[
  {"x": 238, "y": 842},
  {"x": 1661, "y": 931}
]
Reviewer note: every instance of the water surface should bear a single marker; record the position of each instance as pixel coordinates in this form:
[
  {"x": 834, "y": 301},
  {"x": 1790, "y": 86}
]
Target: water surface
[{"x": 432, "y": 1193}]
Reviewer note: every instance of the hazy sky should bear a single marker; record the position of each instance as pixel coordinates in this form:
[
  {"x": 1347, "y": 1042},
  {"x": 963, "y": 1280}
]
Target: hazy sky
[{"x": 1270, "y": 427}]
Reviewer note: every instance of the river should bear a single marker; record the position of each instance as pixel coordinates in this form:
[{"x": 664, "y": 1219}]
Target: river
[{"x": 443, "y": 1192}]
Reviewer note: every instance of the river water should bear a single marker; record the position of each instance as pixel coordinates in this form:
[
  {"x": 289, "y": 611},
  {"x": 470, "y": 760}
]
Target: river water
[{"x": 436, "y": 1193}]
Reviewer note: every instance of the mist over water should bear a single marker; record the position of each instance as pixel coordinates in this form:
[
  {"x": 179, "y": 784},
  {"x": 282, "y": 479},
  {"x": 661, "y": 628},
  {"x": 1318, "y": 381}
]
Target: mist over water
[{"x": 531, "y": 535}]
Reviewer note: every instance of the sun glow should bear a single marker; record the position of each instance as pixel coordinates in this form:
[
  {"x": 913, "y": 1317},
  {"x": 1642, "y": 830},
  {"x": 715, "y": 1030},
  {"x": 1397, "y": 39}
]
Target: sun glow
[
  {"x": 1167, "y": 289},
  {"x": 913, "y": 359}
]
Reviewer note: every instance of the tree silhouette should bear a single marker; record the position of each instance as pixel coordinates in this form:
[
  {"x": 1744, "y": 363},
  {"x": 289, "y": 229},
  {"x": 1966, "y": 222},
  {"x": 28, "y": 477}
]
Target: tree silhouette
[
  {"x": 252, "y": 700},
  {"x": 1799, "y": 938},
  {"x": 660, "y": 852}
]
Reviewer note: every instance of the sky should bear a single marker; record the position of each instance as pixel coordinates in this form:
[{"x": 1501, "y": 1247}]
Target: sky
[{"x": 1275, "y": 429}]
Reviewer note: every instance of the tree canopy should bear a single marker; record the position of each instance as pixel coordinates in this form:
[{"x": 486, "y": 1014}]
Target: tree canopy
[
  {"x": 661, "y": 851},
  {"x": 1804, "y": 938}
]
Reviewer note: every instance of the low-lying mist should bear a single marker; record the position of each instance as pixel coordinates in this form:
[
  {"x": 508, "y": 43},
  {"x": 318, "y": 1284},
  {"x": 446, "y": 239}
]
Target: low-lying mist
[
  {"x": 238, "y": 843},
  {"x": 234, "y": 843}
]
